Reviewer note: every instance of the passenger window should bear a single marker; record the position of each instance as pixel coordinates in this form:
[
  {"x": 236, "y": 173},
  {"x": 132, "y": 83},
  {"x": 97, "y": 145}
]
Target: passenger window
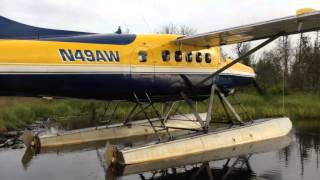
[
  {"x": 208, "y": 58},
  {"x": 143, "y": 56},
  {"x": 178, "y": 56},
  {"x": 199, "y": 57},
  {"x": 166, "y": 55},
  {"x": 189, "y": 57}
]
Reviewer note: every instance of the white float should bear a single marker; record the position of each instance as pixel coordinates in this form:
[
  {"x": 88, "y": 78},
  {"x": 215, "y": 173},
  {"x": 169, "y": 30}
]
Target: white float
[{"x": 200, "y": 148}]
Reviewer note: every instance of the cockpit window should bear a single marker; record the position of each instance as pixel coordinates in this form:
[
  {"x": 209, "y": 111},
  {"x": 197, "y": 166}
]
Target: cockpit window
[{"x": 143, "y": 56}]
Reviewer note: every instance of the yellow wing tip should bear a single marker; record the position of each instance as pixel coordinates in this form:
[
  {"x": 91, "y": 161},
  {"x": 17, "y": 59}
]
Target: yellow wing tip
[{"x": 304, "y": 11}]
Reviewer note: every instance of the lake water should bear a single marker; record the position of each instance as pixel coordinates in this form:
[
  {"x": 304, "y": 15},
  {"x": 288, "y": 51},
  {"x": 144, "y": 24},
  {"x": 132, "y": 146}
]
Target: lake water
[{"x": 299, "y": 160}]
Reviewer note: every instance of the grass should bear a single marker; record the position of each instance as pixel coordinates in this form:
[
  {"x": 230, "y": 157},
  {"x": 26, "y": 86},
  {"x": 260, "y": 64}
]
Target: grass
[
  {"x": 295, "y": 106},
  {"x": 16, "y": 113}
]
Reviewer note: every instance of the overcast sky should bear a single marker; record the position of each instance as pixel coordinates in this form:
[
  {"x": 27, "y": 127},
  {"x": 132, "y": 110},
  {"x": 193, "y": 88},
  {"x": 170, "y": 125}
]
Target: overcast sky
[{"x": 146, "y": 16}]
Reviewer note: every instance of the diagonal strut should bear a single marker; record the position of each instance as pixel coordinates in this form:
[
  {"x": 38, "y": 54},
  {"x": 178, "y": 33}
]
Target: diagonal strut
[{"x": 240, "y": 58}]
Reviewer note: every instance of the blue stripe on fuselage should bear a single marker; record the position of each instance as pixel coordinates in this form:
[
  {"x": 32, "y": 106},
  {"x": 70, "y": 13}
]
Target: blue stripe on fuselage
[
  {"x": 117, "y": 39},
  {"x": 107, "y": 86}
]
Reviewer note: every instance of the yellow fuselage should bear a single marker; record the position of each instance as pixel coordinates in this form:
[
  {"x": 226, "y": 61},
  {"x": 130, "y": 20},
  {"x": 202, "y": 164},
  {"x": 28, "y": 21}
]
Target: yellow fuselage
[
  {"x": 42, "y": 53},
  {"x": 56, "y": 60}
]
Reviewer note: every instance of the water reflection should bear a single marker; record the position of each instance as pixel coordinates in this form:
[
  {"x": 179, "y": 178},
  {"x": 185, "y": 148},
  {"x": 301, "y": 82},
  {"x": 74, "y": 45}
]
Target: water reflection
[
  {"x": 300, "y": 160},
  {"x": 27, "y": 157},
  {"x": 240, "y": 169},
  {"x": 219, "y": 154},
  {"x": 202, "y": 162},
  {"x": 303, "y": 153}
]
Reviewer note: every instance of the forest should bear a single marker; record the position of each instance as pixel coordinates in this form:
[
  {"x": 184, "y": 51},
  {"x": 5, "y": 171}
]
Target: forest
[{"x": 292, "y": 65}]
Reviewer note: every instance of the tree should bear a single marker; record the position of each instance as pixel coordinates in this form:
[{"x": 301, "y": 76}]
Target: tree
[
  {"x": 299, "y": 79},
  {"x": 187, "y": 30},
  {"x": 284, "y": 48},
  {"x": 268, "y": 69},
  {"x": 299, "y": 67},
  {"x": 313, "y": 67},
  {"x": 176, "y": 29},
  {"x": 241, "y": 49}
]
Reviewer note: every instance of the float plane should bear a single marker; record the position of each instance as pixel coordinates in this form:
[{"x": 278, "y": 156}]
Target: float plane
[
  {"x": 146, "y": 69},
  {"x": 37, "y": 61}
]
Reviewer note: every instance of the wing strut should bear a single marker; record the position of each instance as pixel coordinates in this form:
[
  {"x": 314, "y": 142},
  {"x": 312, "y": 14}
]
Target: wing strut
[{"x": 240, "y": 58}]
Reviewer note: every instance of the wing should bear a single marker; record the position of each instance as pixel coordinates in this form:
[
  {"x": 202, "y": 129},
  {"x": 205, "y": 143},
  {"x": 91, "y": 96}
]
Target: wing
[
  {"x": 10, "y": 29},
  {"x": 289, "y": 25}
]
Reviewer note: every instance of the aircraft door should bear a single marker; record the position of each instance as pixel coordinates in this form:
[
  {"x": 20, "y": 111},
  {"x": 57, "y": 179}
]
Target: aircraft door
[{"x": 142, "y": 71}]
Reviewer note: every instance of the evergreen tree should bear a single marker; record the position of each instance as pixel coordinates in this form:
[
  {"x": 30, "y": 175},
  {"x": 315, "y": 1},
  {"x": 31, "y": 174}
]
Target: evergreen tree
[
  {"x": 268, "y": 69},
  {"x": 241, "y": 49},
  {"x": 299, "y": 79}
]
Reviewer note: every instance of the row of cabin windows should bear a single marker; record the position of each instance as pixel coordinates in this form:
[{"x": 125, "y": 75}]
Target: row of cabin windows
[{"x": 143, "y": 56}]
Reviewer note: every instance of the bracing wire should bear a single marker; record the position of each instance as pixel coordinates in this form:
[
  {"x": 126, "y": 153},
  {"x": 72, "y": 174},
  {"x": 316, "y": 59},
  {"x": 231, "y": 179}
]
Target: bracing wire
[
  {"x": 285, "y": 41},
  {"x": 283, "y": 93}
]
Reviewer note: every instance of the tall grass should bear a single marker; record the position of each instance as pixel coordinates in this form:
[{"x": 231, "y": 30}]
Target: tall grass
[
  {"x": 295, "y": 106},
  {"x": 16, "y": 113}
]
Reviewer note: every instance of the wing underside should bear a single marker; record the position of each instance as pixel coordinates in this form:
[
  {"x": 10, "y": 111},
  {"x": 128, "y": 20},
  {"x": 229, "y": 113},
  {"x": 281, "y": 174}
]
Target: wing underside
[{"x": 286, "y": 26}]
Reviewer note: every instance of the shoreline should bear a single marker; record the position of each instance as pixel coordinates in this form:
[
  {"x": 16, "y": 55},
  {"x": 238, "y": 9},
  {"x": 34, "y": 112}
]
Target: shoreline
[{"x": 19, "y": 113}]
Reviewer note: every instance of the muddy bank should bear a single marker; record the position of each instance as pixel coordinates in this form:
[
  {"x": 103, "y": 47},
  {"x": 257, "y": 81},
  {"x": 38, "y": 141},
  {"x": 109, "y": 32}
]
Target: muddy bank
[
  {"x": 13, "y": 140},
  {"x": 3, "y": 130}
]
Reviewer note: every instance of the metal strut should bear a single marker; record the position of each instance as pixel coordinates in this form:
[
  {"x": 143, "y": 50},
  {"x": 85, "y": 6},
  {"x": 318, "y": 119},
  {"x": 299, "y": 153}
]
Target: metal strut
[
  {"x": 206, "y": 166},
  {"x": 210, "y": 105},
  {"x": 229, "y": 106},
  {"x": 242, "y": 160},
  {"x": 194, "y": 110},
  {"x": 167, "y": 115},
  {"x": 143, "y": 110},
  {"x": 224, "y": 101},
  {"x": 110, "y": 116},
  {"x": 240, "y": 58}
]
